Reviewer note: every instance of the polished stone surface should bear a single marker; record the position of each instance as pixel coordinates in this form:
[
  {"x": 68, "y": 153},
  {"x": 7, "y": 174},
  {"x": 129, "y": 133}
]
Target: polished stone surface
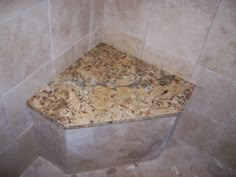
[{"x": 107, "y": 86}]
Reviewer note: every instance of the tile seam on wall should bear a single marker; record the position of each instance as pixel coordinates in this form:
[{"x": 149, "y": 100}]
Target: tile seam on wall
[
  {"x": 26, "y": 79},
  {"x": 203, "y": 45},
  {"x": 90, "y": 23},
  {"x": 148, "y": 23},
  {"x": 68, "y": 48},
  {"x": 21, "y": 13},
  {"x": 16, "y": 139},
  {"x": 225, "y": 13},
  {"x": 43, "y": 66},
  {"x": 206, "y": 117},
  {"x": 50, "y": 30},
  {"x": 219, "y": 138},
  {"x": 218, "y": 74}
]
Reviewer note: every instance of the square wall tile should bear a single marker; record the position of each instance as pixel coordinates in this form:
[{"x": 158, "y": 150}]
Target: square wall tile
[
  {"x": 225, "y": 149},
  {"x": 19, "y": 155},
  {"x": 5, "y": 137},
  {"x": 228, "y": 7},
  {"x": 95, "y": 37},
  {"x": 11, "y": 8},
  {"x": 215, "y": 95},
  {"x": 178, "y": 66},
  {"x": 70, "y": 22},
  {"x": 71, "y": 55},
  {"x": 198, "y": 131},
  {"x": 24, "y": 46},
  {"x": 179, "y": 27},
  {"x": 18, "y": 113},
  {"x": 219, "y": 53},
  {"x": 122, "y": 41},
  {"x": 128, "y": 16},
  {"x": 97, "y": 10}
]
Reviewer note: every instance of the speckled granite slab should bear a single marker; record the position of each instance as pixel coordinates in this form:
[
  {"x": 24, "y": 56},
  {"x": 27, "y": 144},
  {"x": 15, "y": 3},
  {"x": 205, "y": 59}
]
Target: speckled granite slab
[{"x": 108, "y": 86}]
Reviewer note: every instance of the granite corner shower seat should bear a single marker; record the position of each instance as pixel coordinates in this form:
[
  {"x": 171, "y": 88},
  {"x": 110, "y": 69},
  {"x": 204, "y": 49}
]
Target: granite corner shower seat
[{"x": 108, "y": 109}]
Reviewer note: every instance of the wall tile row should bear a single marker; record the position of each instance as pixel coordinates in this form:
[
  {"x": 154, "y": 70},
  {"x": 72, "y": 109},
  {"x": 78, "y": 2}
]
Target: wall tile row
[
  {"x": 193, "y": 39},
  {"x": 38, "y": 40}
]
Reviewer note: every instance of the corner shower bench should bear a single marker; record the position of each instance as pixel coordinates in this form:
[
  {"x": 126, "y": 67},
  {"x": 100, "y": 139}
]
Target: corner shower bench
[{"x": 107, "y": 109}]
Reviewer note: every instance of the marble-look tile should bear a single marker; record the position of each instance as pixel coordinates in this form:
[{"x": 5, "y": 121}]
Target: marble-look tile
[
  {"x": 232, "y": 126},
  {"x": 215, "y": 95},
  {"x": 219, "y": 53},
  {"x": 50, "y": 141},
  {"x": 198, "y": 131},
  {"x": 114, "y": 145},
  {"x": 122, "y": 41},
  {"x": 19, "y": 155},
  {"x": 24, "y": 46},
  {"x": 5, "y": 137},
  {"x": 128, "y": 16},
  {"x": 225, "y": 149},
  {"x": 18, "y": 113},
  {"x": 97, "y": 10},
  {"x": 95, "y": 37},
  {"x": 42, "y": 168},
  {"x": 70, "y": 22},
  {"x": 179, "y": 159},
  {"x": 228, "y": 7},
  {"x": 179, "y": 27},
  {"x": 140, "y": 143},
  {"x": 178, "y": 66},
  {"x": 71, "y": 55},
  {"x": 11, "y": 8}
]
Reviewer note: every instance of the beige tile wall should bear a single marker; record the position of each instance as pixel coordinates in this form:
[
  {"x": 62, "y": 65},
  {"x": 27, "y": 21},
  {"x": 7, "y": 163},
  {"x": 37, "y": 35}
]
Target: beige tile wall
[
  {"x": 38, "y": 39},
  {"x": 193, "y": 39}
]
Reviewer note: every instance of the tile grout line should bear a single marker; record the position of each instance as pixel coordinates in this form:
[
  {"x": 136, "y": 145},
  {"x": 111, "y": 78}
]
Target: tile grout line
[
  {"x": 72, "y": 45},
  {"x": 50, "y": 29},
  {"x": 204, "y": 43},
  {"x": 145, "y": 36},
  {"x": 43, "y": 66},
  {"x": 206, "y": 117},
  {"x": 16, "y": 139},
  {"x": 21, "y": 13},
  {"x": 90, "y": 22}
]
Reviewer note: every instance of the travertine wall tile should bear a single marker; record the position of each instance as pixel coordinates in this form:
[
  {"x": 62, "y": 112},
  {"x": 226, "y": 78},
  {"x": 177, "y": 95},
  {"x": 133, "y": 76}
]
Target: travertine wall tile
[
  {"x": 128, "y": 16},
  {"x": 95, "y": 37},
  {"x": 19, "y": 155},
  {"x": 179, "y": 27},
  {"x": 5, "y": 137},
  {"x": 215, "y": 95},
  {"x": 11, "y": 8},
  {"x": 50, "y": 140},
  {"x": 122, "y": 41},
  {"x": 24, "y": 46},
  {"x": 70, "y": 22},
  {"x": 71, "y": 55},
  {"x": 175, "y": 65},
  {"x": 97, "y": 13},
  {"x": 219, "y": 53},
  {"x": 198, "y": 131},
  {"x": 228, "y": 7},
  {"x": 114, "y": 145},
  {"x": 18, "y": 113},
  {"x": 225, "y": 149}
]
